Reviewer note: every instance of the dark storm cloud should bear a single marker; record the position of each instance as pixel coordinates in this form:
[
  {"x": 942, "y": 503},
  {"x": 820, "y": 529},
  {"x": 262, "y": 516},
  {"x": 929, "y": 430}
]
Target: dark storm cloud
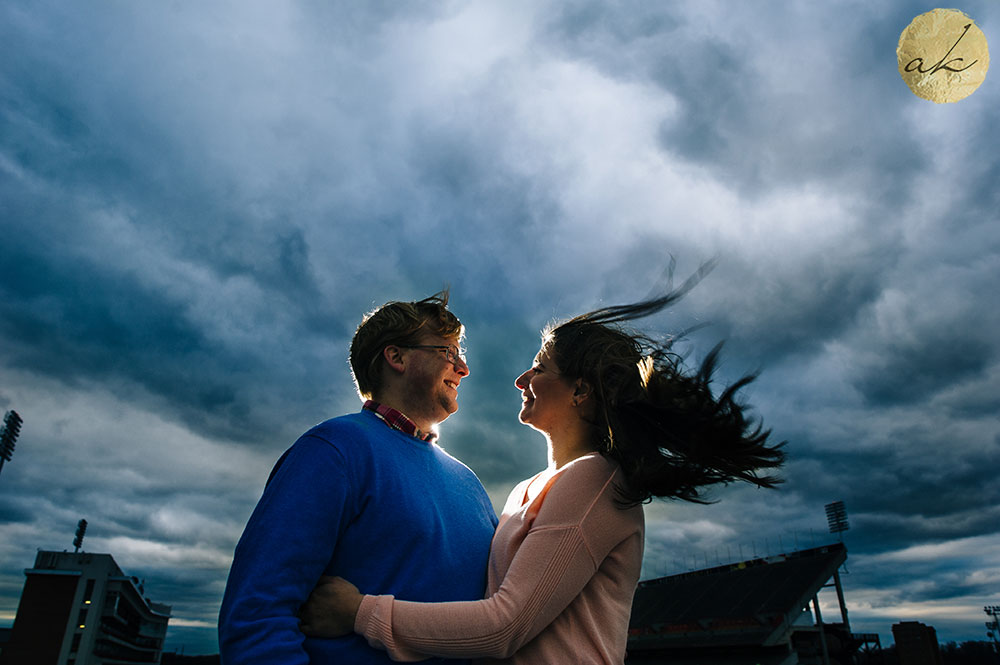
[
  {"x": 58, "y": 311},
  {"x": 70, "y": 317},
  {"x": 784, "y": 314},
  {"x": 908, "y": 491},
  {"x": 16, "y": 509},
  {"x": 757, "y": 135},
  {"x": 758, "y": 97},
  {"x": 924, "y": 337},
  {"x": 912, "y": 371},
  {"x": 109, "y": 248},
  {"x": 199, "y": 203}
]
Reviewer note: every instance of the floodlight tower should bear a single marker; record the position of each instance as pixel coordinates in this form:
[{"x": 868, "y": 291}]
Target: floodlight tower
[
  {"x": 81, "y": 530},
  {"x": 836, "y": 517},
  {"x": 993, "y": 627},
  {"x": 8, "y": 435}
]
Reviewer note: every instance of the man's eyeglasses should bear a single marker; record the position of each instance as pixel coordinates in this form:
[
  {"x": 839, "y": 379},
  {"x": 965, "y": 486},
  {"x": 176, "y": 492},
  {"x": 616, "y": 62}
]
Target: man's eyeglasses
[{"x": 453, "y": 353}]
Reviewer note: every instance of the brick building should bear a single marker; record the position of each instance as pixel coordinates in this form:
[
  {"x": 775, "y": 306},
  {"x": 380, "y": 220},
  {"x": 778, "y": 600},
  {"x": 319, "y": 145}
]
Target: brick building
[{"x": 81, "y": 609}]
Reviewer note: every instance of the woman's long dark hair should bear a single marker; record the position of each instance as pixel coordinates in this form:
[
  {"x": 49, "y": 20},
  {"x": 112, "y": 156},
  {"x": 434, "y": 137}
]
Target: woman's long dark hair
[{"x": 671, "y": 435}]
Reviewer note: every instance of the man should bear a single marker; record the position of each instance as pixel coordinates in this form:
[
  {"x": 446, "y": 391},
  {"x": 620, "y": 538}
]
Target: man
[{"x": 367, "y": 496}]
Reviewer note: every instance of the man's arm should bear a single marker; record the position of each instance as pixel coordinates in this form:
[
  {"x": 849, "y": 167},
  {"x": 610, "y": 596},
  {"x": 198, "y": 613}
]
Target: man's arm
[{"x": 285, "y": 548}]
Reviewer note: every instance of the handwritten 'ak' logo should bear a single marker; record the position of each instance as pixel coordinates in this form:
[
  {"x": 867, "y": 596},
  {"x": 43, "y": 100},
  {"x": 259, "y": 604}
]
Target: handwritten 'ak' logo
[{"x": 943, "y": 56}]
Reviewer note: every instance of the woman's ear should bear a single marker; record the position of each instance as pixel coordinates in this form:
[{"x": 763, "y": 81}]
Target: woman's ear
[{"x": 581, "y": 391}]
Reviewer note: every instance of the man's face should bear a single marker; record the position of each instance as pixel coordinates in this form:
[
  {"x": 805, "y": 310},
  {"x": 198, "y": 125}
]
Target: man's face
[{"x": 432, "y": 381}]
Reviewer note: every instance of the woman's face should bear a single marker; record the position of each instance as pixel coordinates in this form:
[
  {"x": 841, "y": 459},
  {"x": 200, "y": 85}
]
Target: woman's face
[{"x": 547, "y": 397}]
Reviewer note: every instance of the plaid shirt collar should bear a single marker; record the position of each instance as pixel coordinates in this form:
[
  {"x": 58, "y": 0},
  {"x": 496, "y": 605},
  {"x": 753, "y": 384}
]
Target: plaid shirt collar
[{"x": 398, "y": 421}]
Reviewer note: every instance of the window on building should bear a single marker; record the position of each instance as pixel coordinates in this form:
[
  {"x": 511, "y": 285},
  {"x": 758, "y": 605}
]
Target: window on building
[
  {"x": 88, "y": 592},
  {"x": 82, "y": 622},
  {"x": 75, "y": 646}
]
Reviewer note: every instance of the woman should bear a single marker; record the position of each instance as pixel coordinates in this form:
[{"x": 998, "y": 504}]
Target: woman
[{"x": 624, "y": 422}]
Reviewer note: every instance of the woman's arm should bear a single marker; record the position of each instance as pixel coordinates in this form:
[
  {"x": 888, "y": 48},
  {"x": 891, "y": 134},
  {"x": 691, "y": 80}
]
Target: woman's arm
[
  {"x": 575, "y": 530},
  {"x": 549, "y": 570}
]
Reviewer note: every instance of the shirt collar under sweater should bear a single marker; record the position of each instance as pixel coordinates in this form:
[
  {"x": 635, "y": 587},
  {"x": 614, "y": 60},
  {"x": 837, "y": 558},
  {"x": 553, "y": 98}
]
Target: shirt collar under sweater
[{"x": 398, "y": 420}]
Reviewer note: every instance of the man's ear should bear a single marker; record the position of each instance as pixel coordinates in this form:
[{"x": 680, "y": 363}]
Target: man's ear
[{"x": 394, "y": 358}]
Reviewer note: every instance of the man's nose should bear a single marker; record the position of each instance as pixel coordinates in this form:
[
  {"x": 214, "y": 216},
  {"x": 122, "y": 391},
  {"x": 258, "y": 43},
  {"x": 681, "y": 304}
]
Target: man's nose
[{"x": 521, "y": 382}]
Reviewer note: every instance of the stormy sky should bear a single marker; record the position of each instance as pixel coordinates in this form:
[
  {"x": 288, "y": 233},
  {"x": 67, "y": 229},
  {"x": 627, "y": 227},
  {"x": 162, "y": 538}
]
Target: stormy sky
[{"x": 199, "y": 201}]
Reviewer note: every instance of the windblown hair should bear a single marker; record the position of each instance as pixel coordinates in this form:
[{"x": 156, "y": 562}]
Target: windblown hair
[
  {"x": 671, "y": 435},
  {"x": 400, "y": 323}
]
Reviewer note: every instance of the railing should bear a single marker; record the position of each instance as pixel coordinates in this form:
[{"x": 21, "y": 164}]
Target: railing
[
  {"x": 112, "y": 629},
  {"x": 105, "y": 649}
]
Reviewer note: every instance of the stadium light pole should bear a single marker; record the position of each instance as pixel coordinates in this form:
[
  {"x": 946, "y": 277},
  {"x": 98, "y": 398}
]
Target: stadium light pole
[
  {"x": 836, "y": 518},
  {"x": 8, "y": 435},
  {"x": 993, "y": 627},
  {"x": 81, "y": 531}
]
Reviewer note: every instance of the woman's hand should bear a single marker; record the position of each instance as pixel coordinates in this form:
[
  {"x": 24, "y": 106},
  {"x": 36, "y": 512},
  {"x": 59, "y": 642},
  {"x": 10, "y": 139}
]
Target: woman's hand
[{"x": 330, "y": 609}]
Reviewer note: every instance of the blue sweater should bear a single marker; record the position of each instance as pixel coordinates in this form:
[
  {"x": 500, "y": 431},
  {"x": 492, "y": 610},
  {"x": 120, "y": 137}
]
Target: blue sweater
[{"x": 354, "y": 498}]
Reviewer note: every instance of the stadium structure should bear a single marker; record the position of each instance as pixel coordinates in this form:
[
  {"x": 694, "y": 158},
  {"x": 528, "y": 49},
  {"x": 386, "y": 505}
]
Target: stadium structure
[{"x": 763, "y": 611}]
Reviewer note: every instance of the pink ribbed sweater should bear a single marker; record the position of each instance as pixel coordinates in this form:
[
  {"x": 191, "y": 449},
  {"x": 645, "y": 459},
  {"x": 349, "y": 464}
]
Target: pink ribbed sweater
[{"x": 563, "y": 570}]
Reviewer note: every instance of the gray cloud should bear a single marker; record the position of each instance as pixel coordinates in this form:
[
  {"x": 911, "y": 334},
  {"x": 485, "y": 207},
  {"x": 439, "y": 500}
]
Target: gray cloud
[{"x": 199, "y": 203}]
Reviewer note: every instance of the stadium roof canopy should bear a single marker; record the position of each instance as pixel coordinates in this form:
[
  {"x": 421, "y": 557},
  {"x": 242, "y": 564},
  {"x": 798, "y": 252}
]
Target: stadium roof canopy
[{"x": 748, "y": 604}]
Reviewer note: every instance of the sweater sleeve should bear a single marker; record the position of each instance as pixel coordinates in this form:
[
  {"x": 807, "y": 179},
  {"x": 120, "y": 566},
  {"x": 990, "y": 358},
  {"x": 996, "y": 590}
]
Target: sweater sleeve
[
  {"x": 558, "y": 557},
  {"x": 285, "y": 547}
]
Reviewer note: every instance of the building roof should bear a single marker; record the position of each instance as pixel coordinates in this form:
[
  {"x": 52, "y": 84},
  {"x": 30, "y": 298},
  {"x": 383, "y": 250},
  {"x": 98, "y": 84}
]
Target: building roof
[
  {"x": 748, "y": 603},
  {"x": 76, "y": 563}
]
